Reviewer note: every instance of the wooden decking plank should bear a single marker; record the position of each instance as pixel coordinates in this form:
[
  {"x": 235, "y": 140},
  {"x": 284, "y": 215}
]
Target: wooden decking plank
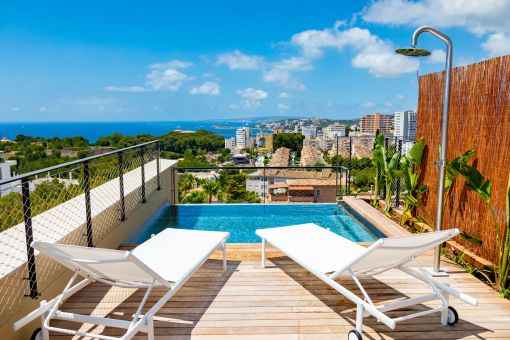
[{"x": 284, "y": 301}]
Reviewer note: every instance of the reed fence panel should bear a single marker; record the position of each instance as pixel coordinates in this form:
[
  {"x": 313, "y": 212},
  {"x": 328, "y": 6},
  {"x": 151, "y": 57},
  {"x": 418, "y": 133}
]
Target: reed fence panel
[{"x": 479, "y": 119}]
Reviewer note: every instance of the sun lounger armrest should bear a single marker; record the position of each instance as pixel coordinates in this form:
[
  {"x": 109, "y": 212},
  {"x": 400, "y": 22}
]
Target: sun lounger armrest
[{"x": 370, "y": 249}]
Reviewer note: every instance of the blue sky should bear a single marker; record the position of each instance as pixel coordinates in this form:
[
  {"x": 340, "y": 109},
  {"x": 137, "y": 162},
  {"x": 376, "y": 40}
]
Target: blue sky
[{"x": 134, "y": 61}]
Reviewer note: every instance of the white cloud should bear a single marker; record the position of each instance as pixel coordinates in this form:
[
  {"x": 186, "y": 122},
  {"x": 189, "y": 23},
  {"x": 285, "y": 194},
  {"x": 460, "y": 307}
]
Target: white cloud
[
  {"x": 14, "y": 109},
  {"x": 293, "y": 64},
  {"x": 126, "y": 89},
  {"x": 373, "y": 53},
  {"x": 437, "y": 56},
  {"x": 207, "y": 75},
  {"x": 497, "y": 44},
  {"x": 329, "y": 104},
  {"x": 246, "y": 105},
  {"x": 238, "y": 60},
  {"x": 476, "y": 16},
  {"x": 101, "y": 108},
  {"x": 388, "y": 104},
  {"x": 283, "y": 95},
  {"x": 399, "y": 96},
  {"x": 283, "y": 106},
  {"x": 120, "y": 110},
  {"x": 367, "y": 104},
  {"x": 155, "y": 107},
  {"x": 207, "y": 88},
  {"x": 42, "y": 109},
  {"x": 168, "y": 79},
  {"x": 282, "y": 78},
  {"x": 172, "y": 64},
  {"x": 252, "y": 94}
]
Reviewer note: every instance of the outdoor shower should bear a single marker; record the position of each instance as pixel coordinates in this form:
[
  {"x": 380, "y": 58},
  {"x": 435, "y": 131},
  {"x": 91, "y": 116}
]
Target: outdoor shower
[{"x": 415, "y": 52}]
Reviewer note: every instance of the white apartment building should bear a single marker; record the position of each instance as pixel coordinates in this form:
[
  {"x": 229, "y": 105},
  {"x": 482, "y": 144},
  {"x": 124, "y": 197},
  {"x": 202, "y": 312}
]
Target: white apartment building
[
  {"x": 309, "y": 131},
  {"x": 5, "y": 174},
  {"x": 405, "y": 124},
  {"x": 242, "y": 137},
  {"x": 336, "y": 130},
  {"x": 230, "y": 143}
]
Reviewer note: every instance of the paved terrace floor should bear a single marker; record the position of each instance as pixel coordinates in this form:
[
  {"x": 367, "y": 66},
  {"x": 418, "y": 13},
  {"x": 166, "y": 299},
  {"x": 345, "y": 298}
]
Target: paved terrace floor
[{"x": 286, "y": 302}]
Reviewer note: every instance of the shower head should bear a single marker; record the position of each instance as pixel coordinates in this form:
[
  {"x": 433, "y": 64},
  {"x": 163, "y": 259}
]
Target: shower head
[{"x": 413, "y": 52}]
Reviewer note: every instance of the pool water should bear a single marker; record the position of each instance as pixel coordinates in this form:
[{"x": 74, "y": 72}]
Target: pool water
[{"x": 241, "y": 220}]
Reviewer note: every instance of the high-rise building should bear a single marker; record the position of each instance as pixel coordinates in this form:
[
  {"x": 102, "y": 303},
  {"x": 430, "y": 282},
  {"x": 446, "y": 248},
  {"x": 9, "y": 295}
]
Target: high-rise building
[
  {"x": 405, "y": 124},
  {"x": 336, "y": 130},
  {"x": 309, "y": 131},
  {"x": 371, "y": 123},
  {"x": 230, "y": 143},
  {"x": 270, "y": 140},
  {"x": 242, "y": 137}
]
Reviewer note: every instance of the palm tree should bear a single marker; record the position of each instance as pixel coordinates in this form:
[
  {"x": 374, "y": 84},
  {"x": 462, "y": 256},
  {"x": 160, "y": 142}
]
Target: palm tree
[
  {"x": 211, "y": 188},
  {"x": 187, "y": 181},
  {"x": 195, "y": 197}
]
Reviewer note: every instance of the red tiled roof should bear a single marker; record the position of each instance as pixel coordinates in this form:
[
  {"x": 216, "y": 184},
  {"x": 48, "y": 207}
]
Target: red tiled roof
[
  {"x": 277, "y": 186},
  {"x": 301, "y": 188}
]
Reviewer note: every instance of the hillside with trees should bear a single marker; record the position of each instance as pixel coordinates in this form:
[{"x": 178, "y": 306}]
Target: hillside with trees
[{"x": 31, "y": 156}]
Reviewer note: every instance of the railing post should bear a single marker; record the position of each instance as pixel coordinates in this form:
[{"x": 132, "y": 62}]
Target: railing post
[
  {"x": 336, "y": 170},
  {"x": 142, "y": 160},
  {"x": 121, "y": 186},
  {"x": 27, "y": 213},
  {"x": 88, "y": 209},
  {"x": 399, "y": 182},
  {"x": 350, "y": 164},
  {"x": 158, "y": 151}
]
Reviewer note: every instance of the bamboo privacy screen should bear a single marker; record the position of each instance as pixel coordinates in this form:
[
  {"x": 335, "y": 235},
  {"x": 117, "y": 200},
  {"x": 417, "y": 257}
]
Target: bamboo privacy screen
[{"x": 479, "y": 120}]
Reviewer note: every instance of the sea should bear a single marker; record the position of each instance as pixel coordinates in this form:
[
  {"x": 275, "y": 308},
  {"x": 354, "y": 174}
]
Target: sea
[{"x": 93, "y": 130}]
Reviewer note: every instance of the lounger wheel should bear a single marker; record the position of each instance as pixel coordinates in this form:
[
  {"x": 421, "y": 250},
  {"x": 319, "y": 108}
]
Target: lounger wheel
[
  {"x": 354, "y": 335},
  {"x": 37, "y": 335},
  {"x": 453, "y": 316}
]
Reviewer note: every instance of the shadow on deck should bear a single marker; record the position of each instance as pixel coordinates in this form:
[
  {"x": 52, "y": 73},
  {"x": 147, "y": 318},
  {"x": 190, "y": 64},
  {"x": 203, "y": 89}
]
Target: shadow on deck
[{"x": 284, "y": 301}]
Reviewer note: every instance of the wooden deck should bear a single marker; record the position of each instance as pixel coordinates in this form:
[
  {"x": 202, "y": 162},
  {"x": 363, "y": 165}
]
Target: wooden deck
[{"x": 286, "y": 302}]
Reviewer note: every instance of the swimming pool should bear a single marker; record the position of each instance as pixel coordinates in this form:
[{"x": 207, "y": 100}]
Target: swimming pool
[{"x": 241, "y": 220}]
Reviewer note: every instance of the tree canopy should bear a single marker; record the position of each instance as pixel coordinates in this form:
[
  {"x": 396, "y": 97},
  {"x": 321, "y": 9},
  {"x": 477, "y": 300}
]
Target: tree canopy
[{"x": 292, "y": 141}]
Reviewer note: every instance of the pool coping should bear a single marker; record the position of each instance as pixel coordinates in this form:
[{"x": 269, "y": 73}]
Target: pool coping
[
  {"x": 376, "y": 218},
  {"x": 147, "y": 223}
]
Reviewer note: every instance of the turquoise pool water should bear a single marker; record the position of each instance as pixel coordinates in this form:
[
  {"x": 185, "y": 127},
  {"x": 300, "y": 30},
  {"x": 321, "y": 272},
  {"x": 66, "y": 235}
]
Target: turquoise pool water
[{"x": 241, "y": 220}]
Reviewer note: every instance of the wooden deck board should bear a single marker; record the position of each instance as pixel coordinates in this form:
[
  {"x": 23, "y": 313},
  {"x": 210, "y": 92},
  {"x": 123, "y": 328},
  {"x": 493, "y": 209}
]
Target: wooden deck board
[{"x": 284, "y": 301}]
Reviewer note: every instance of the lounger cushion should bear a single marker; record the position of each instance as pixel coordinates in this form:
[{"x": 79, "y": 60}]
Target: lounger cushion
[
  {"x": 312, "y": 246},
  {"x": 171, "y": 255},
  {"x": 174, "y": 252}
]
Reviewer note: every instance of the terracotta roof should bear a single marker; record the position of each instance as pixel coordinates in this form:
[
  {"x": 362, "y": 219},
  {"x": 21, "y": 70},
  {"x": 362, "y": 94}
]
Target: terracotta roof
[
  {"x": 309, "y": 156},
  {"x": 277, "y": 186},
  {"x": 301, "y": 188},
  {"x": 314, "y": 182},
  {"x": 277, "y": 173},
  {"x": 281, "y": 157}
]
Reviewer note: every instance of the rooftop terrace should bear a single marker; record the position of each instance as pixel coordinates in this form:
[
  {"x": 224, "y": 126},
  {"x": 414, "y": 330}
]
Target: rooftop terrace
[{"x": 285, "y": 301}]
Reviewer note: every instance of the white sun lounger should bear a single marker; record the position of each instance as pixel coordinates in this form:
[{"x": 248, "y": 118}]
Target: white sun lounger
[
  {"x": 166, "y": 260},
  {"x": 328, "y": 256}
]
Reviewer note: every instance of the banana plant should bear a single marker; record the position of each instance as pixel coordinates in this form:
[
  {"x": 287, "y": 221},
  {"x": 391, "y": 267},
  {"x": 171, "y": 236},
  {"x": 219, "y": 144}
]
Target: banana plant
[
  {"x": 410, "y": 173},
  {"x": 477, "y": 183},
  {"x": 451, "y": 174},
  {"x": 414, "y": 201},
  {"x": 389, "y": 169}
]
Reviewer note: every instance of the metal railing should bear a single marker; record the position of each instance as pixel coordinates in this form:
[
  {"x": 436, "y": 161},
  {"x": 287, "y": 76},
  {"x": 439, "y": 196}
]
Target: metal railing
[
  {"x": 256, "y": 184},
  {"x": 78, "y": 203},
  {"x": 355, "y": 153}
]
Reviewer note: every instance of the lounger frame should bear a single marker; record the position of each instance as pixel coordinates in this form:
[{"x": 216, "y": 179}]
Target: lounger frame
[
  {"x": 49, "y": 310},
  {"x": 365, "y": 307}
]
